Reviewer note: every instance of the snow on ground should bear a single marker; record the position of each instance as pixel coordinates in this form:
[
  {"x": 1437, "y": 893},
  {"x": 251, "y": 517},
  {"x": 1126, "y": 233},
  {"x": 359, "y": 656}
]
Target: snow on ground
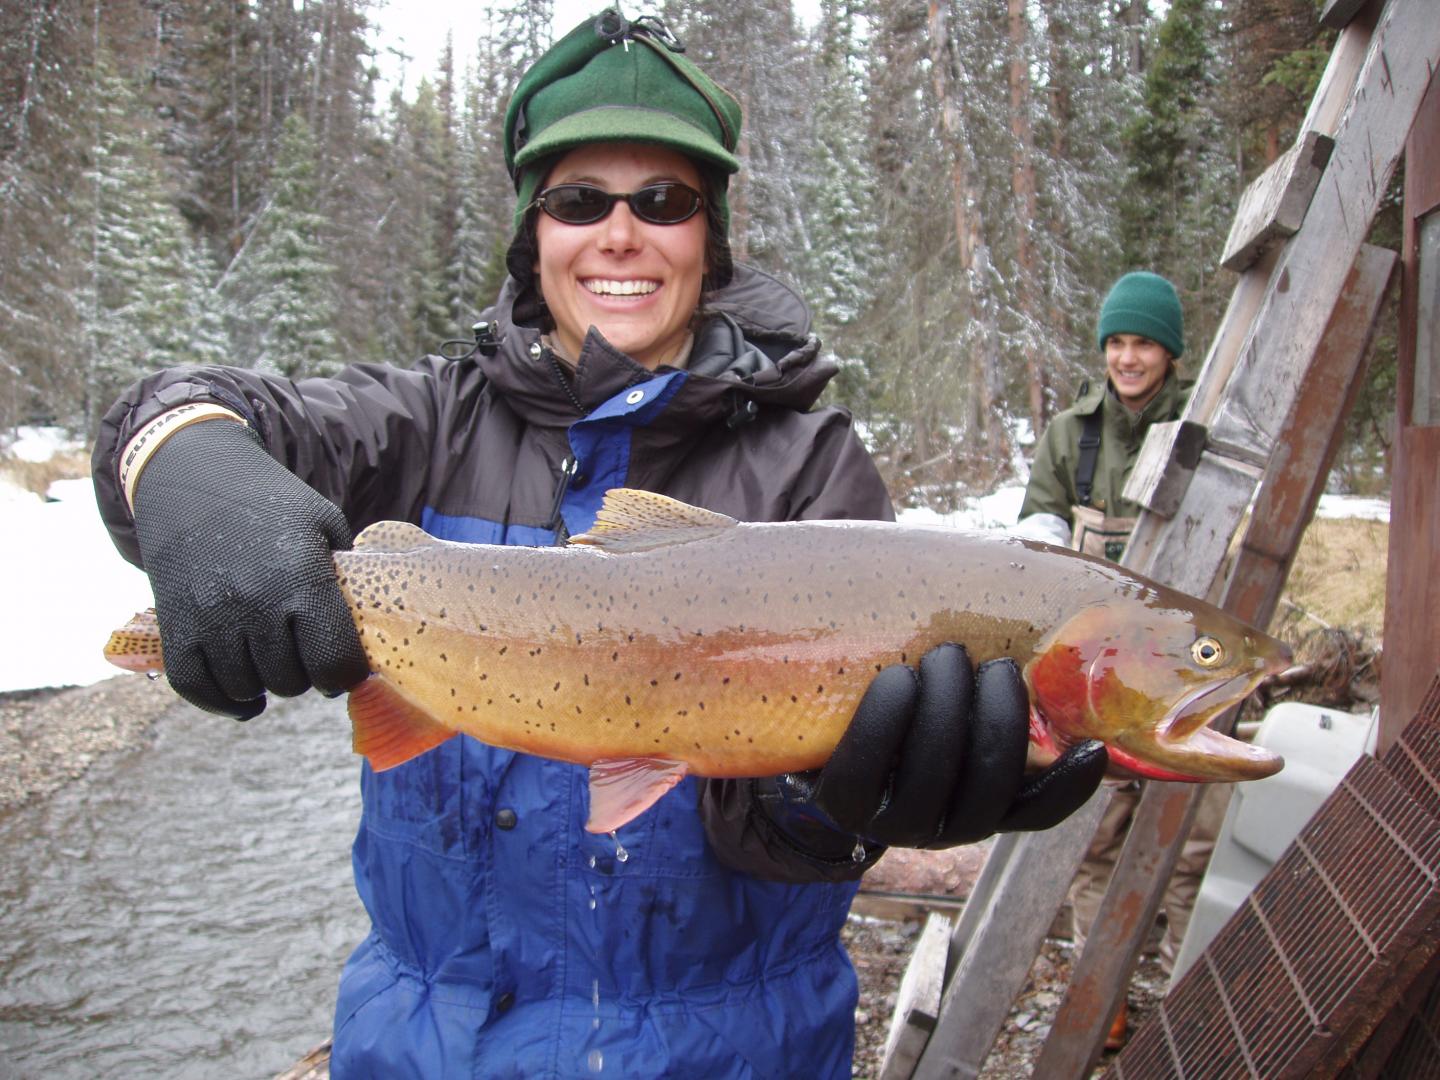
[{"x": 67, "y": 587}]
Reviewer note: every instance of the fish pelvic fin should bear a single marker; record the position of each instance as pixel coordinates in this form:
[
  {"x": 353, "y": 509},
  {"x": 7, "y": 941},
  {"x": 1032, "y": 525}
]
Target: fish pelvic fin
[
  {"x": 621, "y": 789},
  {"x": 631, "y": 520},
  {"x": 389, "y": 730},
  {"x": 393, "y": 536}
]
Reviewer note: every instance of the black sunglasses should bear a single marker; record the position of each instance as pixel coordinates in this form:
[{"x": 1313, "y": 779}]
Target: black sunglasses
[{"x": 666, "y": 203}]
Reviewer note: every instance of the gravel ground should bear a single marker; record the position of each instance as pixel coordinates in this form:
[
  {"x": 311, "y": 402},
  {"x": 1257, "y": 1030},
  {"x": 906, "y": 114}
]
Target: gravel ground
[{"x": 51, "y": 737}]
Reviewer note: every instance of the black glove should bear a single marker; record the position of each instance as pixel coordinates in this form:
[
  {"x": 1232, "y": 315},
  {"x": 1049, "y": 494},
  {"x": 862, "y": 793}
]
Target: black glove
[
  {"x": 237, "y": 548},
  {"x": 937, "y": 758}
]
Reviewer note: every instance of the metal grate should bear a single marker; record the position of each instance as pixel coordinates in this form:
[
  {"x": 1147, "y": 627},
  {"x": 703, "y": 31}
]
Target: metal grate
[{"x": 1327, "y": 944}]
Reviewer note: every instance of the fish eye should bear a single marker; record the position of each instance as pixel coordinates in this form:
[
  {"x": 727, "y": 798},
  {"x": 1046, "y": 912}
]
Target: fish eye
[{"x": 1208, "y": 651}]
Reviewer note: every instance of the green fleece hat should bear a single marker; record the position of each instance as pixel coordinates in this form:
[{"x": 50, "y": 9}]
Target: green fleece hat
[
  {"x": 613, "y": 80},
  {"x": 1146, "y": 304}
]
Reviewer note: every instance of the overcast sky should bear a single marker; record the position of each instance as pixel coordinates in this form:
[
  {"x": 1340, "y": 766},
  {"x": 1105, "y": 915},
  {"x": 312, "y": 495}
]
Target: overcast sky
[{"x": 418, "y": 27}]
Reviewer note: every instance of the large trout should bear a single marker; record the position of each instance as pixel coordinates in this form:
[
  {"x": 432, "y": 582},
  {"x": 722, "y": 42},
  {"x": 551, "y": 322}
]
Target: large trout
[{"x": 671, "y": 640}]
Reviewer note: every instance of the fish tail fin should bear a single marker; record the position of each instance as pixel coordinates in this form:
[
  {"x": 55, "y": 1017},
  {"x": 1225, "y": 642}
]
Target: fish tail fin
[
  {"x": 621, "y": 789},
  {"x": 389, "y": 730},
  {"x": 136, "y": 645}
]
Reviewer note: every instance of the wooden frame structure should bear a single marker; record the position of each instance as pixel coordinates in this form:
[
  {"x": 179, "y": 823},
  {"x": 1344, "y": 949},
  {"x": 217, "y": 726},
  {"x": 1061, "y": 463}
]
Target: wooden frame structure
[{"x": 1259, "y": 434}]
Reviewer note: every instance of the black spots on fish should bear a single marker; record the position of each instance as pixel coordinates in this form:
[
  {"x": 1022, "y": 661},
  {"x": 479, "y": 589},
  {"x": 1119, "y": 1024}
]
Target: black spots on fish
[
  {"x": 452, "y": 691},
  {"x": 702, "y": 706},
  {"x": 421, "y": 628},
  {"x": 586, "y": 678},
  {"x": 483, "y": 628},
  {"x": 444, "y": 659},
  {"x": 504, "y": 649},
  {"x": 1008, "y": 643},
  {"x": 654, "y": 682},
  {"x": 555, "y": 687},
  {"x": 627, "y": 699},
  {"x": 484, "y": 675},
  {"x": 799, "y": 738},
  {"x": 637, "y": 725},
  {"x": 535, "y": 651},
  {"x": 725, "y": 681},
  {"x": 579, "y": 711},
  {"x": 677, "y": 676},
  {"x": 539, "y": 703},
  {"x": 904, "y": 657},
  {"x": 765, "y": 699},
  {"x": 794, "y": 700},
  {"x": 840, "y": 670},
  {"x": 820, "y": 689},
  {"x": 615, "y": 656}
]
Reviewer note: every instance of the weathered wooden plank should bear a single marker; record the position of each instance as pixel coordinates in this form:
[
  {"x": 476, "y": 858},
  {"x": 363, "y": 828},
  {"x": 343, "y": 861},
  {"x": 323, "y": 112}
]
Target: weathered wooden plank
[
  {"x": 1337, "y": 81},
  {"x": 917, "y": 1001},
  {"x": 1077, "y": 1035},
  {"x": 1188, "y": 549},
  {"x": 1167, "y": 461},
  {"x": 1298, "y": 470},
  {"x": 1274, "y": 204},
  {"x": 998, "y": 957},
  {"x": 1405, "y": 49},
  {"x": 1337, "y": 13},
  {"x": 1412, "y": 586}
]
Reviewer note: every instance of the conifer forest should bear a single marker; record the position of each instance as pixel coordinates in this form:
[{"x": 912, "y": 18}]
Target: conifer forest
[{"x": 952, "y": 186}]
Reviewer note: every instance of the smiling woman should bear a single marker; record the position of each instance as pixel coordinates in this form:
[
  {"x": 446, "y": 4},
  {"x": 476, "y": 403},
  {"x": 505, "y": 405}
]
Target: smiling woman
[{"x": 626, "y": 350}]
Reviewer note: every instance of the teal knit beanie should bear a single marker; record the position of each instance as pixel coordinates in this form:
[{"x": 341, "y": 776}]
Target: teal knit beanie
[
  {"x": 1146, "y": 304},
  {"x": 614, "y": 80}
]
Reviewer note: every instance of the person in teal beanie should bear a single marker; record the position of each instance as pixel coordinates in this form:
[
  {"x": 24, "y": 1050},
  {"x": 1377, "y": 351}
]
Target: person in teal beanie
[
  {"x": 1075, "y": 498},
  {"x": 1141, "y": 333}
]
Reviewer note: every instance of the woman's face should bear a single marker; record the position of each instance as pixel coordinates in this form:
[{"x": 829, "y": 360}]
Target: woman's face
[
  {"x": 1137, "y": 367},
  {"x": 637, "y": 283}
]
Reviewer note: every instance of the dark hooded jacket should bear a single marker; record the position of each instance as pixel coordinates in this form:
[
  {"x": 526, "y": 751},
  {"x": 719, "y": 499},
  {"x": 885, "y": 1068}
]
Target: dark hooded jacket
[{"x": 507, "y": 941}]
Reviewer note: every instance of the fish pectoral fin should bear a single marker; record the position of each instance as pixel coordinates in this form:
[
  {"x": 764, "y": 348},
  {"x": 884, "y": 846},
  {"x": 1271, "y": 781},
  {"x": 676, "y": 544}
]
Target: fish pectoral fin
[
  {"x": 632, "y": 520},
  {"x": 389, "y": 730},
  {"x": 621, "y": 789},
  {"x": 393, "y": 536}
]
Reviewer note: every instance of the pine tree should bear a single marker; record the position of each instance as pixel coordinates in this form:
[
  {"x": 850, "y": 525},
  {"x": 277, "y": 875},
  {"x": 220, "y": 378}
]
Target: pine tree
[
  {"x": 281, "y": 292},
  {"x": 1183, "y": 179},
  {"x": 148, "y": 298},
  {"x": 837, "y": 191},
  {"x": 45, "y": 135}
]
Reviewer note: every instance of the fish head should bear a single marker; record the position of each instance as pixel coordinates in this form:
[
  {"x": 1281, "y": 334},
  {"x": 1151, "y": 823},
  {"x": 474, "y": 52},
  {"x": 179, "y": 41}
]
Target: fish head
[{"x": 1147, "y": 679}]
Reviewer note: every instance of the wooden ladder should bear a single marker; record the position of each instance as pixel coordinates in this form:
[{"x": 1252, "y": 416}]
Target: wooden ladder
[{"x": 1258, "y": 435}]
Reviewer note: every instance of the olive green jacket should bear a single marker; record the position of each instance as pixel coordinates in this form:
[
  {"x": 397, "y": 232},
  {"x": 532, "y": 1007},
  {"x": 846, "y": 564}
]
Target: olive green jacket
[{"x": 1052, "y": 474}]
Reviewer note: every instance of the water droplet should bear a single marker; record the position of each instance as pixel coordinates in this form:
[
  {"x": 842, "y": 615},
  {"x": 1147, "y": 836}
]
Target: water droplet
[
  {"x": 153, "y": 676},
  {"x": 592, "y": 862},
  {"x": 859, "y": 854},
  {"x": 596, "y": 1060},
  {"x": 621, "y": 855}
]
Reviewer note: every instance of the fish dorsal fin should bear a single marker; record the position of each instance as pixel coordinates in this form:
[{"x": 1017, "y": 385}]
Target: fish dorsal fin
[
  {"x": 393, "y": 536},
  {"x": 631, "y": 520}
]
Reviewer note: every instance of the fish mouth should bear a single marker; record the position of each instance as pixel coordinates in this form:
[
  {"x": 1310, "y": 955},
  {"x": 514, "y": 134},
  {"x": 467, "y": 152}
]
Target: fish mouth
[{"x": 1184, "y": 747}]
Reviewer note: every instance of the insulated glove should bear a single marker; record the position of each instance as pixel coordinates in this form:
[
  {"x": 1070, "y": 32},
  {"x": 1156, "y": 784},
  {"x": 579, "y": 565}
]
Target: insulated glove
[
  {"x": 937, "y": 758},
  {"x": 237, "y": 548}
]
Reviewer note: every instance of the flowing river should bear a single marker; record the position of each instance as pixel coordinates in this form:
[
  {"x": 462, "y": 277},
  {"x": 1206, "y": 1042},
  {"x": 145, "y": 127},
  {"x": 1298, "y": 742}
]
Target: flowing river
[{"x": 186, "y": 909}]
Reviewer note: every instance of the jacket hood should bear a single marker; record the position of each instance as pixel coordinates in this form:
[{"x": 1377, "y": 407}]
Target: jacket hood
[{"x": 753, "y": 344}]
